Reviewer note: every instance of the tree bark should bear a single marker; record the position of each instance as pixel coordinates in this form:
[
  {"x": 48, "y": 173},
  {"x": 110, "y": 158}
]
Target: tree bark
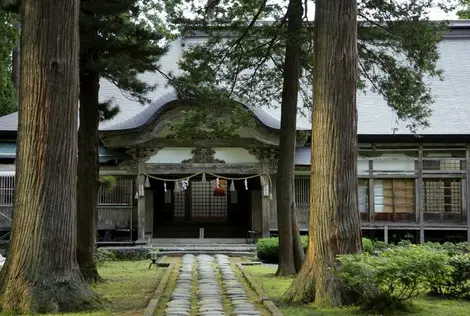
[
  {"x": 287, "y": 141},
  {"x": 334, "y": 222},
  {"x": 298, "y": 249},
  {"x": 88, "y": 171},
  {"x": 41, "y": 273}
]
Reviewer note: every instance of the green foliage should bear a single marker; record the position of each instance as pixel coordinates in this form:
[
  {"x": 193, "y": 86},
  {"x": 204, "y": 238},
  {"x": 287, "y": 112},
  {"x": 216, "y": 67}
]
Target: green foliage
[
  {"x": 388, "y": 281},
  {"x": 8, "y": 40},
  {"x": 103, "y": 255},
  {"x": 119, "y": 40},
  {"x": 267, "y": 249},
  {"x": 121, "y": 254},
  {"x": 464, "y": 12},
  {"x": 243, "y": 56},
  {"x": 108, "y": 182}
]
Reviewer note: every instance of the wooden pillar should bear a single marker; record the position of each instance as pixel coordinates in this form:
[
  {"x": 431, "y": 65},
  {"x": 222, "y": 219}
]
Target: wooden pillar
[
  {"x": 371, "y": 193},
  {"x": 467, "y": 190},
  {"x": 386, "y": 234},
  {"x": 140, "y": 208},
  {"x": 265, "y": 209},
  {"x": 420, "y": 195}
]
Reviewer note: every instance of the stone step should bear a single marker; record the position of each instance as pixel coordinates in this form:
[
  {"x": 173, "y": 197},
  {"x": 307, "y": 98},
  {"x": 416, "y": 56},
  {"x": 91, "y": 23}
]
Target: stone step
[
  {"x": 197, "y": 241},
  {"x": 218, "y": 246},
  {"x": 206, "y": 252}
]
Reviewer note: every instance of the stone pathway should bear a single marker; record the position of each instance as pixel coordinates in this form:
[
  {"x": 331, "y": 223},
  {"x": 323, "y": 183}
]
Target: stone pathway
[
  {"x": 234, "y": 290},
  {"x": 180, "y": 298},
  {"x": 210, "y": 292}
]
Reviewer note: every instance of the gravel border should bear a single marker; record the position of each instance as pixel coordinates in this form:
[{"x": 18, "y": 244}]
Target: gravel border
[
  {"x": 153, "y": 304},
  {"x": 262, "y": 297}
]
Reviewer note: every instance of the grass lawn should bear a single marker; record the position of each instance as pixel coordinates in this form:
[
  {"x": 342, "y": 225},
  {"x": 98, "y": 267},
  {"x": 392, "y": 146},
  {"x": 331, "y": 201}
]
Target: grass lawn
[
  {"x": 276, "y": 287},
  {"x": 128, "y": 288}
]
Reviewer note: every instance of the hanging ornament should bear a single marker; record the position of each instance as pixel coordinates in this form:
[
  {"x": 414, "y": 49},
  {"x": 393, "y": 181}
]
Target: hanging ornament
[
  {"x": 203, "y": 180},
  {"x": 232, "y": 186},
  {"x": 136, "y": 195},
  {"x": 246, "y": 184},
  {"x": 164, "y": 186},
  {"x": 177, "y": 187},
  {"x": 184, "y": 184},
  {"x": 147, "y": 182},
  {"x": 220, "y": 188}
]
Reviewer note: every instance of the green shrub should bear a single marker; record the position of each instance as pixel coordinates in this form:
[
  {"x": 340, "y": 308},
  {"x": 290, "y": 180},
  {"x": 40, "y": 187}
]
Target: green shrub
[
  {"x": 103, "y": 255},
  {"x": 121, "y": 254},
  {"x": 367, "y": 245},
  {"x": 387, "y": 281},
  {"x": 456, "y": 283},
  {"x": 131, "y": 254},
  {"x": 267, "y": 249}
]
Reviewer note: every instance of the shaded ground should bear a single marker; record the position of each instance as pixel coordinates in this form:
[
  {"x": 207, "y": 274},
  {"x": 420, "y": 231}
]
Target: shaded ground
[
  {"x": 128, "y": 288},
  {"x": 275, "y": 287}
]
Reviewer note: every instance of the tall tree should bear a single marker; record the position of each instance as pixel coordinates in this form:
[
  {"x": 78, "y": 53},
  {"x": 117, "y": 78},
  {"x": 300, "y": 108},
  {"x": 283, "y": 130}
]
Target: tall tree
[
  {"x": 290, "y": 252},
  {"x": 464, "y": 12},
  {"x": 8, "y": 41},
  {"x": 116, "y": 45},
  {"x": 41, "y": 273},
  {"x": 243, "y": 58},
  {"x": 334, "y": 223}
]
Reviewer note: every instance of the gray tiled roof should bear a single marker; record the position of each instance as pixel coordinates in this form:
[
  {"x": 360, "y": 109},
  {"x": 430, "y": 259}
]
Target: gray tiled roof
[{"x": 451, "y": 110}]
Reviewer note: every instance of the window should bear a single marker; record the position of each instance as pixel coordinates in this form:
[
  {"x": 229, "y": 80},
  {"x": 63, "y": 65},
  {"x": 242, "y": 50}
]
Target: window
[
  {"x": 394, "y": 196},
  {"x": 363, "y": 193},
  {"x": 120, "y": 195},
  {"x": 443, "y": 195},
  {"x": 449, "y": 164},
  {"x": 302, "y": 193},
  {"x": 7, "y": 190}
]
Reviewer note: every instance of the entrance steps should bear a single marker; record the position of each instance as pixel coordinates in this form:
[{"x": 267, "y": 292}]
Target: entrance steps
[{"x": 180, "y": 246}]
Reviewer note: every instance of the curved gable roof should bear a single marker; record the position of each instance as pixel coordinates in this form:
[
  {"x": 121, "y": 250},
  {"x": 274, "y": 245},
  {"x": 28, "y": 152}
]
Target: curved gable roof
[{"x": 152, "y": 111}]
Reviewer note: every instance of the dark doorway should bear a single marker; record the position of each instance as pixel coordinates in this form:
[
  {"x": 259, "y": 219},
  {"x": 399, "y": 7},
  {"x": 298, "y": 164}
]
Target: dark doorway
[{"x": 222, "y": 213}]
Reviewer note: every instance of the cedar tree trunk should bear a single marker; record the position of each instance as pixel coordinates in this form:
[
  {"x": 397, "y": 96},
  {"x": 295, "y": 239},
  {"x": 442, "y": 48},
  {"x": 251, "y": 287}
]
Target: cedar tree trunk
[
  {"x": 88, "y": 171},
  {"x": 287, "y": 142},
  {"x": 299, "y": 254},
  {"x": 334, "y": 223},
  {"x": 41, "y": 273}
]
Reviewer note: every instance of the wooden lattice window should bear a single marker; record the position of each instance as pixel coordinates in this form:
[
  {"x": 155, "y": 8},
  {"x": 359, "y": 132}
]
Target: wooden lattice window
[
  {"x": 204, "y": 203},
  {"x": 443, "y": 195},
  {"x": 394, "y": 196},
  {"x": 7, "y": 190},
  {"x": 121, "y": 194},
  {"x": 444, "y": 164},
  {"x": 302, "y": 193}
]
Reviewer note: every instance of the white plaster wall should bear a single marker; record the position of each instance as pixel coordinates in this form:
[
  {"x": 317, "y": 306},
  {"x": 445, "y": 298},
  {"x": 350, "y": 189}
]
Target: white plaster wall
[
  {"x": 394, "y": 165},
  {"x": 234, "y": 155},
  {"x": 171, "y": 155},
  {"x": 362, "y": 166}
]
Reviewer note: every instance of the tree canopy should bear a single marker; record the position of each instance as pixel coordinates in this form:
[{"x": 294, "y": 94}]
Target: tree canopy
[
  {"x": 8, "y": 40},
  {"x": 243, "y": 55},
  {"x": 464, "y": 12}
]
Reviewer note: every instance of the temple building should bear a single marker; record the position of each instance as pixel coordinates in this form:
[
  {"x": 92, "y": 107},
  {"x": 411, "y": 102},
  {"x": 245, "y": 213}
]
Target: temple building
[{"x": 411, "y": 186}]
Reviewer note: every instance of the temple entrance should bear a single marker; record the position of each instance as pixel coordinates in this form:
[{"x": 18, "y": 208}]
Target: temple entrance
[{"x": 202, "y": 209}]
